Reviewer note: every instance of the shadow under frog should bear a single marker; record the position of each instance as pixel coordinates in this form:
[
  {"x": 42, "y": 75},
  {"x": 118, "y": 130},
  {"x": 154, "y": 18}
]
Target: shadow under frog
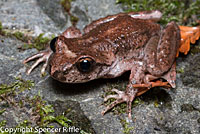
[
  {"x": 158, "y": 95},
  {"x": 69, "y": 89}
]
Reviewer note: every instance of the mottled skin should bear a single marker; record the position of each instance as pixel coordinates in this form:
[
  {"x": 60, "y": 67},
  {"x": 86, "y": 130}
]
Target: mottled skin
[{"x": 114, "y": 45}]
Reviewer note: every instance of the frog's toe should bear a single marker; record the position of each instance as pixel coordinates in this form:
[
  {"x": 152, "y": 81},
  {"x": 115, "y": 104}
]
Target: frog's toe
[
  {"x": 35, "y": 56},
  {"x": 188, "y": 35},
  {"x": 120, "y": 97},
  {"x": 35, "y": 65},
  {"x": 110, "y": 106},
  {"x": 41, "y": 57}
]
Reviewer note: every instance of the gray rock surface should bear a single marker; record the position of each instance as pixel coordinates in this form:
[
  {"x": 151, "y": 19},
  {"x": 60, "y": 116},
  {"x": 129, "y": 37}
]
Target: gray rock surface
[{"x": 160, "y": 111}]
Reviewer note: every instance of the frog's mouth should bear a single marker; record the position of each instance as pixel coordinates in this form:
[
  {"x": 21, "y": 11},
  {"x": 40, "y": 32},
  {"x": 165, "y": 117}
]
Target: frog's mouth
[{"x": 74, "y": 77}]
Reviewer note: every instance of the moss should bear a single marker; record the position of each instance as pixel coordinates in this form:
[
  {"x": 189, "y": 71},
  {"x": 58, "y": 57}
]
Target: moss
[
  {"x": 122, "y": 107},
  {"x": 40, "y": 43},
  {"x": 1, "y": 27},
  {"x": 180, "y": 70},
  {"x": 66, "y": 4},
  {"x": 126, "y": 126},
  {"x": 45, "y": 112},
  {"x": 2, "y": 32},
  {"x": 41, "y": 115},
  {"x": 17, "y": 87},
  {"x": 74, "y": 20},
  {"x": 2, "y": 123},
  {"x": 47, "y": 116},
  {"x": 2, "y": 111},
  {"x": 19, "y": 35},
  {"x": 182, "y": 11}
]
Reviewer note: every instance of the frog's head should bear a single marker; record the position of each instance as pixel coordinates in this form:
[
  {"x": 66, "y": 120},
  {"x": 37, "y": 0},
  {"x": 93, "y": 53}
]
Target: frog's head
[{"x": 75, "y": 64}]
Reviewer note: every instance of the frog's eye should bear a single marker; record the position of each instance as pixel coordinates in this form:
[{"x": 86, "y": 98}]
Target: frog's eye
[
  {"x": 52, "y": 44},
  {"x": 85, "y": 64}
]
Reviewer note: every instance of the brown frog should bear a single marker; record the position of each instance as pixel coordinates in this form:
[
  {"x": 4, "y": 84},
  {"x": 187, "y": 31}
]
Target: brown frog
[{"x": 110, "y": 46}]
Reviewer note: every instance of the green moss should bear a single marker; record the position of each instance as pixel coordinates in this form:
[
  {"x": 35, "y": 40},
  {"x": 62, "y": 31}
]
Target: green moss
[
  {"x": 125, "y": 125},
  {"x": 122, "y": 107},
  {"x": 66, "y": 4},
  {"x": 180, "y": 70},
  {"x": 74, "y": 20},
  {"x": 181, "y": 11},
  {"x": 1, "y": 27},
  {"x": 40, "y": 43},
  {"x": 156, "y": 103},
  {"x": 2, "y": 32},
  {"x": 45, "y": 113},
  {"x": 17, "y": 87},
  {"x": 2, "y": 123},
  {"x": 19, "y": 35},
  {"x": 2, "y": 111}
]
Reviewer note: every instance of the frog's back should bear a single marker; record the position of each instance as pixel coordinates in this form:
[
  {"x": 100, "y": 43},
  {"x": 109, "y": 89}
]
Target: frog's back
[
  {"x": 121, "y": 34},
  {"x": 125, "y": 31}
]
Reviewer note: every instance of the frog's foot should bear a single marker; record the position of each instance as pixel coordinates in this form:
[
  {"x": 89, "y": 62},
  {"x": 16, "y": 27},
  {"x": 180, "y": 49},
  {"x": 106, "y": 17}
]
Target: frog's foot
[
  {"x": 120, "y": 97},
  {"x": 188, "y": 35},
  {"x": 42, "y": 56},
  {"x": 153, "y": 81}
]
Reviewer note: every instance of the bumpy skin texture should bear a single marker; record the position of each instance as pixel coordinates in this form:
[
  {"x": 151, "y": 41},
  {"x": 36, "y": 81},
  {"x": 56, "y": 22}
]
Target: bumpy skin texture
[{"x": 114, "y": 45}]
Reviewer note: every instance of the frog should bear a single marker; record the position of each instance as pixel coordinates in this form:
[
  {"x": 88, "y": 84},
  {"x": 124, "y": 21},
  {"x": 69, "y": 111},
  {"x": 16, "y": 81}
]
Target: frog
[{"x": 111, "y": 46}]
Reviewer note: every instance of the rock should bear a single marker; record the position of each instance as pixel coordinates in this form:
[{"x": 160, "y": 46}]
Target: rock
[{"x": 158, "y": 110}]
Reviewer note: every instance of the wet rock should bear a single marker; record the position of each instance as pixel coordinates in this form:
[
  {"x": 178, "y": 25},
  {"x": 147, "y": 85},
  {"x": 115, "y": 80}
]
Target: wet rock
[{"x": 160, "y": 111}]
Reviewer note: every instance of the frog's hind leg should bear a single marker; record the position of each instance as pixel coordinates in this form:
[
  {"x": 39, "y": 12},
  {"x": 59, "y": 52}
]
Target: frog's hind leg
[
  {"x": 161, "y": 50},
  {"x": 188, "y": 35}
]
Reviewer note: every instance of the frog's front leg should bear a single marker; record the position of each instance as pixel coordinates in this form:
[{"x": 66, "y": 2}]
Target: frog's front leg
[
  {"x": 44, "y": 55},
  {"x": 136, "y": 77}
]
